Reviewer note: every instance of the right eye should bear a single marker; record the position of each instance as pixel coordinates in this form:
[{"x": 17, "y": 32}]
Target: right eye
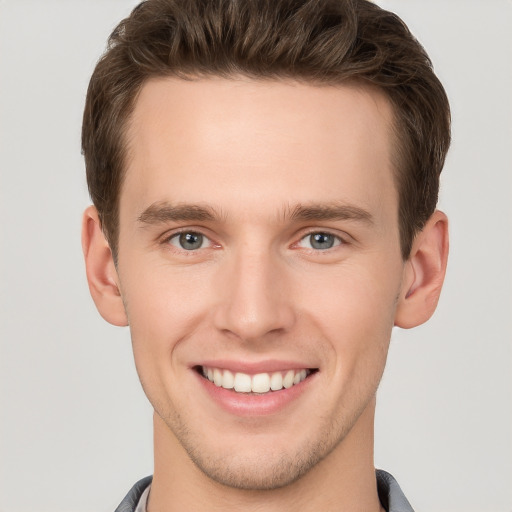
[{"x": 189, "y": 241}]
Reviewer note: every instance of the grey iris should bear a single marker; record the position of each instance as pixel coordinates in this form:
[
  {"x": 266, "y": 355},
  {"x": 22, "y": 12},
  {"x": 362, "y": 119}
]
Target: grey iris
[
  {"x": 321, "y": 240},
  {"x": 191, "y": 241}
]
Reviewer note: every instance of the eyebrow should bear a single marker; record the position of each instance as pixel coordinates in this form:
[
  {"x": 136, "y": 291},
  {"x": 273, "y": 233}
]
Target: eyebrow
[
  {"x": 162, "y": 212},
  {"x": 330, "y": 211}
]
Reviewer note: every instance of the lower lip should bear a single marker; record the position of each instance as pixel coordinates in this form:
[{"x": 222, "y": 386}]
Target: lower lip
[{"x": 248, "y": 404}]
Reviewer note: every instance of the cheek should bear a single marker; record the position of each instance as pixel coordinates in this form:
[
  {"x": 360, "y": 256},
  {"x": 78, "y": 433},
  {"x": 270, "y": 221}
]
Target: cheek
[
  {"x": 164, "y": 305},
  {"x": 354, "y": 308},
  {"x": 358, "y": 295},
  {"x": 164, "y": 309}
]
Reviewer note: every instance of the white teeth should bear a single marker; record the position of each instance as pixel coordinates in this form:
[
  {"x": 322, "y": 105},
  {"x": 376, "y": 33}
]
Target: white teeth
[
  {"x": 288, "y": 379},
  {"x": 276, "y": 381},
  {"x": 228, "y": 380},
  {"x": 299, "y": 376},
  {"x": 217, "y": 377},
  {"x": 259, "y": 383},
  {"x": 242, "y": 383}
]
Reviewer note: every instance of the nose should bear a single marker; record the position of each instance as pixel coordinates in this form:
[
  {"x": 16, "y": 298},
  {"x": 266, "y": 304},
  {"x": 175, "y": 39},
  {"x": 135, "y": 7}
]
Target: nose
[{"x": 254, "y": 298}]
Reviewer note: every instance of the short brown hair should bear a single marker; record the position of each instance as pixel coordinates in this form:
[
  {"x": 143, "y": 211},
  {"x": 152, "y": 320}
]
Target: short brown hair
[{"x": 318, "y": 41}]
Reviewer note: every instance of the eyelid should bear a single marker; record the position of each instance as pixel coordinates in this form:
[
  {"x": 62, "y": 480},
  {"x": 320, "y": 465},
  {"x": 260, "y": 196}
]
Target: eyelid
[
  {"x": 343, "y": 239},
  {"x": 174, "y": 233}
]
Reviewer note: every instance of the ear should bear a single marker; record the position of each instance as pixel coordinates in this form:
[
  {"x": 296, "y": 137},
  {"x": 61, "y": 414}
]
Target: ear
[
  {"x": 101, "y": 271},
  {"x": 424, "y": 273}
]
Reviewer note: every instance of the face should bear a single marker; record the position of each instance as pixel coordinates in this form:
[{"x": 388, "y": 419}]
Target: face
[{"x": 259, "y": 265}]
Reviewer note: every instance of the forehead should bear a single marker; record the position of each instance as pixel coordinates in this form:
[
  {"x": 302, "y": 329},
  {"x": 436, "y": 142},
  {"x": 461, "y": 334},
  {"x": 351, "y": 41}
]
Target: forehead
[{"x": 228, "y": 141}]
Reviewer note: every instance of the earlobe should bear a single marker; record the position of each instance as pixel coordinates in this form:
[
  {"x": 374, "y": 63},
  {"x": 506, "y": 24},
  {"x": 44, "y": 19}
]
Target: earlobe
[
  {"x": 101, "y": 271},
  {"x": 424, "y": 273}
]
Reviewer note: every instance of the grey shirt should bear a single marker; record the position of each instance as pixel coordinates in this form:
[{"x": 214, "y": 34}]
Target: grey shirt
[{"x": 390, "y": 495}]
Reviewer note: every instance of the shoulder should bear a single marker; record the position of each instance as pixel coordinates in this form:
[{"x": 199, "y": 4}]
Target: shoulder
[
  {"x": 390, "y": 493},
  {"x": 129, "y": 504}
]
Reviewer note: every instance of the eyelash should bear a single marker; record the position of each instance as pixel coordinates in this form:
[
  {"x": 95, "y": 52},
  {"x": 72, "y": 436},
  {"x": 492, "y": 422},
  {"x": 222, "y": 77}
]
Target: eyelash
[
  {"x": 176, "y": 235},
  {"x": 338, "y": 240}
]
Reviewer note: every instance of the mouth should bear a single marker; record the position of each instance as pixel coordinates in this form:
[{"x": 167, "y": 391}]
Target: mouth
[{"x": 256, "y": 384}]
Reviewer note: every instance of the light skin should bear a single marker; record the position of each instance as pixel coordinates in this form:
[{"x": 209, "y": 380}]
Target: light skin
[{"x": 259, "y": 234}]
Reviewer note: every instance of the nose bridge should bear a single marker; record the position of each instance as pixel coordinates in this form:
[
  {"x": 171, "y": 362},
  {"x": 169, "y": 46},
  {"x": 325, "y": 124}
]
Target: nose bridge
[{"x": 254, "y": 300}]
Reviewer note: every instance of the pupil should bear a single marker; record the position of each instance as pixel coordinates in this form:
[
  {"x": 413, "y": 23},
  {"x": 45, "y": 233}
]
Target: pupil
[
  {"x": 191, "y": 241},
  {"x": 321, "y": 241}
]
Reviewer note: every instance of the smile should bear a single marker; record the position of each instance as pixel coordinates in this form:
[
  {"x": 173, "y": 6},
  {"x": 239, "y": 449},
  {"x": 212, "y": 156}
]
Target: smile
[{"x": 260, "y": 383}]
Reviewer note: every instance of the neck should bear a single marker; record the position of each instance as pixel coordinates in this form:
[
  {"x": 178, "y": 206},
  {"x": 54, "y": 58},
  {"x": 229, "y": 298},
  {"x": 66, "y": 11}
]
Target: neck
[{"x": 342, "y": 481}]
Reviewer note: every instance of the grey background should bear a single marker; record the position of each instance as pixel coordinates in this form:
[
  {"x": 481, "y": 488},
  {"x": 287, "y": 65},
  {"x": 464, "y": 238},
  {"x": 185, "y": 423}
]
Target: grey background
[{"x": 75, "y": 428}]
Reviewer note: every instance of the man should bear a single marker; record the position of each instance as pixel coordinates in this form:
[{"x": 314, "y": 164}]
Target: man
[{"x": 264, "y": 178}]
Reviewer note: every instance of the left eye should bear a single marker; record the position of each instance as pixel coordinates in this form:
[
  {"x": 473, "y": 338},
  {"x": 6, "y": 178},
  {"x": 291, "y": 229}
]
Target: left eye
[
  {"x": 320, "y": 241},
  {"x": 189, "y": 240}
]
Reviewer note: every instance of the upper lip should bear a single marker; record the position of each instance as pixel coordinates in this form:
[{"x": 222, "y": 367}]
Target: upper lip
[{"x": 254, "y": 367}]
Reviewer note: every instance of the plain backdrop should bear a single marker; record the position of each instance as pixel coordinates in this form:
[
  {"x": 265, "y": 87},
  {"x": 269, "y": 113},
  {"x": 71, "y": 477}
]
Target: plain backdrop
[{"x": 75, "y": 425}]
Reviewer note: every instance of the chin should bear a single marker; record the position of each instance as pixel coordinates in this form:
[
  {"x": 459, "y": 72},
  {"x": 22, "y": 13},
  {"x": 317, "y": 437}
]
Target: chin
[
  {"x": 263, "y": 466},
  {"x": 259, "y": 473}
]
